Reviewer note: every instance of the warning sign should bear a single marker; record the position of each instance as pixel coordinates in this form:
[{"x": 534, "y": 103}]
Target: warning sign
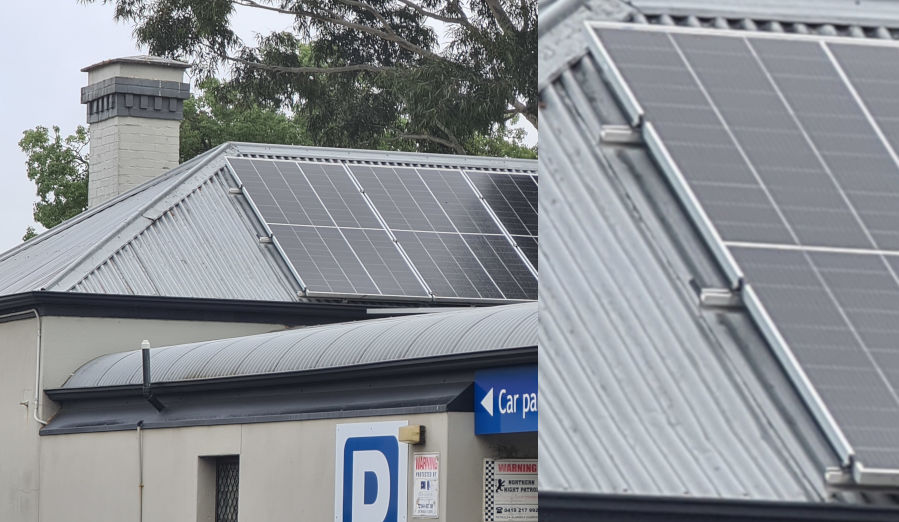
[
  {"x": 510, "y": 490},
  {"x": 425, "y": 476}
]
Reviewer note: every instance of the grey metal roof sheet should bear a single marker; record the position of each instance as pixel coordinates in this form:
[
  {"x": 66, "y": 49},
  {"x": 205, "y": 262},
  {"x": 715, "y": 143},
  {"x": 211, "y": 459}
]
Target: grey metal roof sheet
[
  {"x": 185, "y": 235},
  {"x": 209, "y": 252},
  {"x": 329, "y": 346},
  {"x": 641, "y": 390},
  {"x": 33, "y": 265}
]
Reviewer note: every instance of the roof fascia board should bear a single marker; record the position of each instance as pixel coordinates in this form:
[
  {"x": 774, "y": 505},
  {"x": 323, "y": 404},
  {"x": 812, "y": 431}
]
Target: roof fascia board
[
  {"x": 425, "y": 366},
  {"x": 375, "y": 156},
  {"x": 255, "y": 419},
  {"x": 576, "y": 507},
  {"x": 70, "y": 304},
  {"x": 139, "y": 221}
]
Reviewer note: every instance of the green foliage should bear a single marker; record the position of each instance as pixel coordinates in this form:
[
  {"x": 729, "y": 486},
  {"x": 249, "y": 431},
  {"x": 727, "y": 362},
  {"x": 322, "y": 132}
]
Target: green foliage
[
  {"x": 502, "y": 143},
  {"x": 59, "y": 169},
  {"x": 365, "y": 73},
  {"x": 220, "y": 114},
  {"x": 30, "y": 232}
]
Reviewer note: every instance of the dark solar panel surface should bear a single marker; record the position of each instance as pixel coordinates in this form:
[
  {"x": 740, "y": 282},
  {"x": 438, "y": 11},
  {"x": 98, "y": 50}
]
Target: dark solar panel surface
[
  {"x": 447, "y": 231},
  {"x": 326, "y": 228},
  {"x": 337, "y": 244},
  {"x": 776, "y": 146},
  {"x": 839, "y": 313}
]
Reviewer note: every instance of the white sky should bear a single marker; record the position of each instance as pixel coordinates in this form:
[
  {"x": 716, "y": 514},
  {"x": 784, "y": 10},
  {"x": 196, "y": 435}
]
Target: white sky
[{"x": 43, "y": 46}]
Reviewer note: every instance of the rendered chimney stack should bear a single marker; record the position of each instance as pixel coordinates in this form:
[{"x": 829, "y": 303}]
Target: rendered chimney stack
[{"x": 134, "y": 108}]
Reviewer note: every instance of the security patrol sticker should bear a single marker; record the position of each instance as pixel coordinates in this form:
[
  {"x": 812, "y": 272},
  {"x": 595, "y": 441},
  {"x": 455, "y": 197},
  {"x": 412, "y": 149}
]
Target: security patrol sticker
[
  {"x": 425, "y": 485},
  {"x": 370, "y": 469},
  {"x": 510, "y": 490}
]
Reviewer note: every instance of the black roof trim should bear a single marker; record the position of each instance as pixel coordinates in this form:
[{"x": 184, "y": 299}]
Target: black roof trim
[
  {"x": 181, "y": 308},
  {"x": 211, "y": 409},
  {"x": 577, "y": 507},
  {"x": 390, "y": 369}
]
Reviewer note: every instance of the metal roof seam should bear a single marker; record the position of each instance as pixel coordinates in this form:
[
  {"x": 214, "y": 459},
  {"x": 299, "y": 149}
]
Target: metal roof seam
[{"x": 621, "y": 307}]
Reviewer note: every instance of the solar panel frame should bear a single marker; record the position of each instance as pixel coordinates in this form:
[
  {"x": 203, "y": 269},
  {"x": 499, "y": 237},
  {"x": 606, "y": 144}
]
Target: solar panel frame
[{"x": 486, "y": 294}]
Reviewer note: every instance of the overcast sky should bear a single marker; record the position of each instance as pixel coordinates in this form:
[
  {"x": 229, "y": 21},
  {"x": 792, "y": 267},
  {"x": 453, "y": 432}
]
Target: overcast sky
[{"x": 43, "y": 46}]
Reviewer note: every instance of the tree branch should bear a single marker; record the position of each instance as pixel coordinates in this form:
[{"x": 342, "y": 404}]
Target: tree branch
[
  {"x": 522, "y": 109},
  {"x": 462, "y": 20},
  {"x": 502, "y": 18},
  {"x": 384, "y": 23},
  {"x": 307, "y": 70},
  {"x": 446, "y": 143},
  {"x": 333, "y": 18}
]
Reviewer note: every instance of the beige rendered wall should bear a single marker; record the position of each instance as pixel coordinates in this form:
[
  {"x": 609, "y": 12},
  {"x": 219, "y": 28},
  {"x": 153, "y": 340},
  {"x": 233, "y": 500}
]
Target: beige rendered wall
[
  {"x": 66, "y": 344},
  {"x": 18, "y": 431},
  {"x": 286, "y": 469}
]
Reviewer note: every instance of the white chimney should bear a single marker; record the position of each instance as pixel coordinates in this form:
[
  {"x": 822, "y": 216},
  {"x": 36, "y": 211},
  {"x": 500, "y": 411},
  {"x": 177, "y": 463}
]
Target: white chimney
[{"x": 134, "y": 108}]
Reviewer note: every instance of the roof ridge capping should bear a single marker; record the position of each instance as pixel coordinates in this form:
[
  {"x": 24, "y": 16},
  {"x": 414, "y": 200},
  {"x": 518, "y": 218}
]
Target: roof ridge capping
[
  {"x": 825, "y": 18},
  {"x": 386, "y": 156}
]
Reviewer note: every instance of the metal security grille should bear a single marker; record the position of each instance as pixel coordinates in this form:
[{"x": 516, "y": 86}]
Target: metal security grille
[{"x": 227, "y": 474}]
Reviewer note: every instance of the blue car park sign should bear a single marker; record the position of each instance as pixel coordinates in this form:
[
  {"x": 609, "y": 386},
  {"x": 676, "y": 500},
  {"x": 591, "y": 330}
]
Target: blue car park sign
[{"x": 505, "y": 400}]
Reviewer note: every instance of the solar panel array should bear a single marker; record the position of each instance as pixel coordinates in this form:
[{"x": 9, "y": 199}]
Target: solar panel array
[
  {"x": 788, "y": 146},
  {"x": 381, "y": 230}
]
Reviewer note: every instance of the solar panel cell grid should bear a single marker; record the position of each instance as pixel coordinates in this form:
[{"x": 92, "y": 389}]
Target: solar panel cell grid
[
  {"x": 513, "y": 199},
  {"x": 337, "y": 243},
  {"x": 780, "y": 152}
]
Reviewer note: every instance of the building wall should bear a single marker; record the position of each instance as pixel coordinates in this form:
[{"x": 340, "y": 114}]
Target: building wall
[
  {"x": 70, "y": 342},
  {"x": 66, "y": 344},
  {"x": 128, "y": 151},
  {"x": 18, "y": 431},
  {"x": 286, "y": 469}
]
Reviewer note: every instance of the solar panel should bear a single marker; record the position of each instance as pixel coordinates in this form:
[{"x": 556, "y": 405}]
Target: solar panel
[
  {"x": 782, "y": 150},
  {"x": 354, "y": 229}
]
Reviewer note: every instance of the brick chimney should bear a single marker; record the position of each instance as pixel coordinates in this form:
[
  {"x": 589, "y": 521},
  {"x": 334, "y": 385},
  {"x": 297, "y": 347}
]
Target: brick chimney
[{"x": 134, "y": 108}]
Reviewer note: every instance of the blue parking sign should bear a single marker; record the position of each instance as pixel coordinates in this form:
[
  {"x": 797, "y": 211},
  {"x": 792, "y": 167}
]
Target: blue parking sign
[
  {"x": 505, "y": 400},
  {"x": 370, "y": 473}
]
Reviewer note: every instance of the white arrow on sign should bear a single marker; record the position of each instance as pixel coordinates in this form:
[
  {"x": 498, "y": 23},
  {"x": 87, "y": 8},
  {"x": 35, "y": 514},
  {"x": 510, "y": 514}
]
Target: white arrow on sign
[{"x": 487, "y": 402}]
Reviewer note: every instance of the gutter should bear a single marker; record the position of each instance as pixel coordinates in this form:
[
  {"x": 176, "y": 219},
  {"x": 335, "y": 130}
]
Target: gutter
[
  {"x": 576, "y": 507},
  {"x": 182, "y": 308}
]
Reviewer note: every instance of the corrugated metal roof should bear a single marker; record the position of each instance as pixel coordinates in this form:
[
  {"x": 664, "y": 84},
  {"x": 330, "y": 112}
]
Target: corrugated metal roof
[
  {"x": 34, "y": 264},
  {"x": 185, "y": 235},
  {"x": 329, "y": 346},
  {"x": 210, "y": 252},
  {"x": 641, "y": 390}
]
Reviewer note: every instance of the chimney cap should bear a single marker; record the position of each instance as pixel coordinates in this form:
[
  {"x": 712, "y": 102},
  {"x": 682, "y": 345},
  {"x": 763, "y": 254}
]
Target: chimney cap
[{"x": 140, "y": 60}]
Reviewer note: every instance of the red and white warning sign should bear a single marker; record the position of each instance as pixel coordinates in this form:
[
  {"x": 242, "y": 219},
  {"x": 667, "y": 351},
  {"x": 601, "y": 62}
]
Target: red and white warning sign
[{"x": 426, "y": 491}]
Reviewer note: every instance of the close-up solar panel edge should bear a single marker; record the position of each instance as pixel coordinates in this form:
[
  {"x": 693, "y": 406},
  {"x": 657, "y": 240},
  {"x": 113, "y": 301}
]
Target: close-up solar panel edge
[
  {"x": 265, "y": 226},
  {"x": 320, "y": 286},
  {"x": 756, "y": 305}
]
